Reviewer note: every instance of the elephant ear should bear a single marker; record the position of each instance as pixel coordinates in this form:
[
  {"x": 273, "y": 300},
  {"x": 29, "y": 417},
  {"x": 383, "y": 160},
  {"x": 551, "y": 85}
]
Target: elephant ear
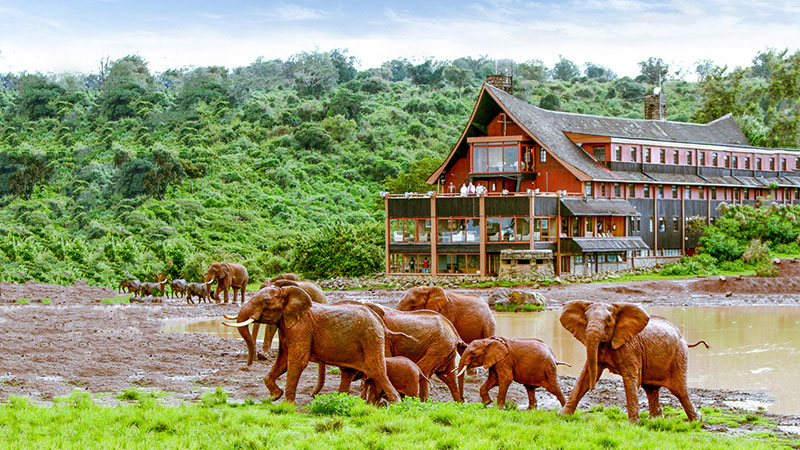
[
  {"x": 573, "y": 318},
  {"x": 224, "y": 270},
  {"x": 437, "y": 299},
  {"x": 296, "y": 304},
  {"x": 495, "y": 351},
  {"x": 631, "y": 319}
]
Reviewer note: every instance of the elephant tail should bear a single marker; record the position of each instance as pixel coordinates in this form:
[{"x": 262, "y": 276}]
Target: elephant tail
[
  {"x": 698, "y": 343},
  {"x": 559, "y": 363}
]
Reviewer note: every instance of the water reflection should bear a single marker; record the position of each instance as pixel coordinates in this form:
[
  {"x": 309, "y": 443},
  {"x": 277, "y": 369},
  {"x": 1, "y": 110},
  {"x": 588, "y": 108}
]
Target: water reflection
[{"x": 751, "y": 347}]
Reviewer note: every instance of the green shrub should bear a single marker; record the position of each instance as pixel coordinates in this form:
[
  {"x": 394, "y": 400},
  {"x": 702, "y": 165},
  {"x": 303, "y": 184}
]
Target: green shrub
[
  {"x": 756, "y": 251},
  {"x": 767, "y": 269},
  {"x": 339, "y": 404},
  {"x": 700, "y": 264},
  {"x": 216, "y": 398}
]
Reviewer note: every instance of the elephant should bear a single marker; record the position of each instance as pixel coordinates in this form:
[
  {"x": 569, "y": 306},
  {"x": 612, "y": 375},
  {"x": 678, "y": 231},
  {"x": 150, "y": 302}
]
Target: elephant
[
  {"x": 404, "y": 375},
  {"x": 527, "y": 361},
  {"x": 647, "y": 351},
  {"x": 132, "y": 286},
  {"x": 200, "y": 290},
  {"x": 433, "y": 347},
  {"x": 349, "y": 336},
  {"x": 178, "y": 287},
  {"x": 148, "y": 288},
  {"x": 227, "y": 275},
  {"x": 284, "y": 276}
]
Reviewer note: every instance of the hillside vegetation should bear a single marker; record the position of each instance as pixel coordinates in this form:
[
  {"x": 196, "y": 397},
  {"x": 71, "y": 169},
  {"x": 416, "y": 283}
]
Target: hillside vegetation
[{"x": 278, "y": 165}]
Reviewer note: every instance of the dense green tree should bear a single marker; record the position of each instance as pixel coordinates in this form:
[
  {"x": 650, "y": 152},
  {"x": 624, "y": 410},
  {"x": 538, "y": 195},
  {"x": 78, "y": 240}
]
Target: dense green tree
[
  {"x": 598, "y": 72},
  {"x": 565, "y": 69},
  {"x": 654, "y": 70},
  {"x": 344, "y": 64},
  {"x": 427, "y": 73},
  {"x": 38, "y": 96},
  {"x": 533, "y": 70},
  {"x": 314, "y": 73},
  {"x": 33, "y": 169},
  {"x": 551, "y": 102}
]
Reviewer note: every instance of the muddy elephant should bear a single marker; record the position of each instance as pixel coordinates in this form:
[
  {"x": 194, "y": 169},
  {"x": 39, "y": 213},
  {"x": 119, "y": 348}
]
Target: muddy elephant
[
  {"x": 283, "y": 276},
  {"x": 227, "y": 275},
  {"x": 433, "y": 347},
  {"x": 404, "y": 375},
  {"x": 349, "y": 336},
  {"x": 199, "y": 290},
  {"x": 148, "y": 288},
  {"x": 311, "y": 288},
  {"x": 647, "y": 351},
  {"x": 527, "y": 361},
  {"x": 469, "y": 314},
  {"x": 178, "y": 288},
  {"x": 131, "y": 286}
]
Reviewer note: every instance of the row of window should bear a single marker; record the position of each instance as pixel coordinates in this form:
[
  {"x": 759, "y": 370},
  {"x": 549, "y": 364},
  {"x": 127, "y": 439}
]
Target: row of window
[
  {"x": 499, "y": 157},
  {"x": 704, "y": 158},
  {"x": 446, "y": 263},
  {"x": 467, "y": 230},
  {"x": 689, "y": 192}
]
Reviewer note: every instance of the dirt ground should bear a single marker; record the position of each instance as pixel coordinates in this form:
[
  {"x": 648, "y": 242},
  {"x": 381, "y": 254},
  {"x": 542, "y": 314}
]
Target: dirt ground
[{"x": 59, "y": 338}]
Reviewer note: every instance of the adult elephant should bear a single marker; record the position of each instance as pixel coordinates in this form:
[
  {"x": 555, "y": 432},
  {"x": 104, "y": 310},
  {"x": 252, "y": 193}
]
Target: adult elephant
[
  {"x": 349, "y": 336},
  {"x": 227, "y": 275},
  {"x": 178, "y": 287},
  {"x": 148, "y": 288},
  {"x": 647, "y": 351},
  {"x": 433, "y": 346},
  {"x": 131, "y": 286},
  {"x": 200, "y": 290},
  {"x": 469, "y": 314}
]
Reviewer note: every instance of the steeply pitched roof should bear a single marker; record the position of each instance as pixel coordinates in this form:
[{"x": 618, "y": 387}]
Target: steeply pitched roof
[{"x": 549, "y": 128}]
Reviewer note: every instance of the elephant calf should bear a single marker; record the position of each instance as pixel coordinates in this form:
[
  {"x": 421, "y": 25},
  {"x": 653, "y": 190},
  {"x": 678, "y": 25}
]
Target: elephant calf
[
  {"x": 526, "y": 361},
  {"x": 404, "y": 375}
]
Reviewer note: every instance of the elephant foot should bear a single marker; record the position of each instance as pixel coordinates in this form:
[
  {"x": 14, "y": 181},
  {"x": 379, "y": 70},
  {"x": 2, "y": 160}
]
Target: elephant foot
[
  {"x": 274, "y": 391},
  {"x": 565, "y": 411},
  {"x": 245, "y": 369},
  {"x": 261, "y": 357}
]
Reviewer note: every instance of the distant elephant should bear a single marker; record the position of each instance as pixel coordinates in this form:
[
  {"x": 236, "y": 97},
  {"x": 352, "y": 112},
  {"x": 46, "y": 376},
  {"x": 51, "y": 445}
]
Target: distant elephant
[
  {"x": 199, "y": 290},
  {"x": 404, "y": 375},
  {"x": 349, "y": 336},
  {"x": 284, "y": 276},
  {"x": 132, "y": 286},
  {"x": 227, "y": 275},
  {"x": 527, "y": 361},
  {"x": 148, "y": 288},
  {"x": 433, "y": 348},
  {"x": 178, "y": 288},
  {"x": 469, "y": 314},
  {"x": 311, "y": 288},
  {"x": 647, "y": 351}
]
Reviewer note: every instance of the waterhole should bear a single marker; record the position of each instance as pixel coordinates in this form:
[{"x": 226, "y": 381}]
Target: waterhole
[{"x": 752, "y": 347}]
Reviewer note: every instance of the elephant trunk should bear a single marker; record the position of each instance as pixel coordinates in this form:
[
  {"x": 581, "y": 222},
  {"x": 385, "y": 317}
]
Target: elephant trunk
[
  {"x": 592, "y": 345},
  {"x": 250, "y": 341}
]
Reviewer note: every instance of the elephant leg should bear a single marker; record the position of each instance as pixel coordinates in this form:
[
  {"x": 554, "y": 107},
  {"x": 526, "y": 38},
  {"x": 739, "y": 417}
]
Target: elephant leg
[
  {"x": 491, "y": 381},
  {"x": 504, "y": 380},
  {"x": 581, "y": 387},
  {"x": 278, "y": 368},
  {"x": 552, "y": 387},
  {"x": 631, "y": 397},
  {"x": 682, "y": 393},
  {"x": 235, "y": 292},
  {"x": 269, "y": 334},
  {"x": 256, "y": 328},
  {"x": 375, "y": 368},
  {"x": 652, "y": 399},
  {"x": 423, "y": 388},
  {"x": 531, "y": 396},
  {"x": 347, "y": 376},
  {"x": 320, "y": 379},
  {"x": 298, "y": 360}
]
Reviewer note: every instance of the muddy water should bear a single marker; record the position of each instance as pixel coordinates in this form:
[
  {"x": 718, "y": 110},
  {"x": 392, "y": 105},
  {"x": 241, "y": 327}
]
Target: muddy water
[{"x": 751, "y": 347}]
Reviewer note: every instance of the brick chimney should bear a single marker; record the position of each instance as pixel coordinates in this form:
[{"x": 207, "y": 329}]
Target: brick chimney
[
  {"x": 655, "y": 106},
  {"x": 502, "y": 82}
]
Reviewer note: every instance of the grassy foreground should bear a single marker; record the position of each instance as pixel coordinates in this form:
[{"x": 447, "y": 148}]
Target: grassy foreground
[{"x": 337, "y": 421}]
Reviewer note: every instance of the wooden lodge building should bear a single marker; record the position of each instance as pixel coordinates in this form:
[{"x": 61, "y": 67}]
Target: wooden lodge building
[{"x": 584, "y": 193}]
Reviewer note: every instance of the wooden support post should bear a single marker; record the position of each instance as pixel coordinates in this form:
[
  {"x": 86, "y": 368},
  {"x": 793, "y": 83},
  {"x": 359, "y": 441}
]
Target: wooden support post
[
  {"x": 558, "y": 238},
  {"x": 683, "y": 221},
  {"x": 387, "y": 232},
  {"x": 532, "y": 218},
  {"x": 482, "y": 216},
  {"x": 434, "y": 237},
  {"x": 655, "y": 224}
]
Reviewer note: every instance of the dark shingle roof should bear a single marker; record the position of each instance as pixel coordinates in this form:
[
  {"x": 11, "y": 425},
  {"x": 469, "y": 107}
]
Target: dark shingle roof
[
  {"x": 583, "y": 206},
  {"x": 604, "y": 244},
  {"x": 549, "y": 127}
]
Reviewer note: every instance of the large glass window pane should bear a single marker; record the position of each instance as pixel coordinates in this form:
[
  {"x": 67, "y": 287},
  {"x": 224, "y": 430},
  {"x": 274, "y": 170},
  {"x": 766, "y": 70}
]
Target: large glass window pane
[
  {"x": 544, "y": 229},
  {"x": 479, "y": 161},
  {"x": 523, "y": 229},
  {"x": 410, "y": 263},
  {"x": 459, "y": 263},
  {"x": 493, "y": 229},
  {"x": 459, "y": 229},
  {"x": 473, "y": 230},
  {"x": 443, "y": 228},
  {"x": 473, "y": 263},
  {"x": 495, "y": 159},
  {"x": 396, "y": 230},
  {"x": 444, "y": 264},
  {"x": 424, "y": 230},
  {"x": 507, "y": 229},
  {"x": 410, "y": 230},
  {"x": 395, "y": 263},
  {"x": 511, "y": 158}
]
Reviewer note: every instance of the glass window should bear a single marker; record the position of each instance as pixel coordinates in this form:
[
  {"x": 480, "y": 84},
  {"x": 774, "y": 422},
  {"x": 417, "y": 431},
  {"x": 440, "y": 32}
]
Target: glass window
[
  {"x": 523, "y": 229},
  {"x": 675, "y": 224},
  {"x": 651, "y": 224},
  {"x": 590, "y": 257},
  {"x": 395, "y": 262},
  {"x": 632, "y": 190},
  {"x": 599, "y": 152},
  {"x": 511, "y": 158},
  {"x": 444, "y": 264},
  {"x": 734, "y": 162},
  {"x": 687, "y": 192},
  {"x": 544, "y": 228},
  {"x": 396, "y": 230},
  {"x": 508, "y": 229},
  {"x": 702, "y": 192},
  {"x": 602, "y": 189},
  {"x": 617, "y": 190},
  {"x": 647, "y": 155},
  {"x": 662, "y": 224},
  {"x": 479, "y": 159},
  {"x": 714, "y": 159},
  {"x": 746, "y": 194},
  {"x": 758, "y": 163},
  {"x": 674, "y": 191},
  {"x": 713, "y": 193},
  {"x": 589, "y": 225},
  {"x": 458, "y": 228},
  {"x": 646, "y": 191},
  {"x": 473, "y": 230},
  {"x": 424, "y": 230},
  {"x": 797, "y": 163},
  {"x": 676, "y": 156},
  {"x": 601, "y": 257},
  {"x": 660, "y": 191},
  {"x": 588, "y": 188},
  {"x": 772, "y": 164},
  {"x": 689, "y": 158},
  {"x": 542, "y": 155},
  {"x": 578, "y": 259},
  {"x": 618, "y": 153},
  {"x": 493, "y": 229},
  {"x": 495, "y": 159},
  {"x": 410, "y": 230},
  {"x": 726, "y": 161},
  {"x": 747, "y": 162},
  {"x": 443, "y": 229},
  {"x": 783, "y": 164},
  {"x": 662, "y": 156},
  {"x": 639, "y": 224},
  {"x": 633, "y": 154},
  {"x": 473, "y": 263},
  {"x": 410, "y": 264}
]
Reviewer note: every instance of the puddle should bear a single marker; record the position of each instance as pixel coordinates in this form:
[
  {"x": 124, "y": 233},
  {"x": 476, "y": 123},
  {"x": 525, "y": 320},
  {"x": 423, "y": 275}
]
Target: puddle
[{"x": 752, "y": 347}]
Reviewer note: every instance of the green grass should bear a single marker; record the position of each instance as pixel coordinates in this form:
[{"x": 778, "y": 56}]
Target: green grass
[
  {"x": 512, "y": 307},
  {"x": 124, "y": 298},
  {"x": 46, "y": 300},
  {"x": 337, "y": 421},
  {"x": 23, "y": 300}
]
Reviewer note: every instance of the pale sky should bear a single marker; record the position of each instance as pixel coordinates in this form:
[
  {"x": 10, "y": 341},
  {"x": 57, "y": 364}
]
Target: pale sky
[{"x": 53, "y": 36}]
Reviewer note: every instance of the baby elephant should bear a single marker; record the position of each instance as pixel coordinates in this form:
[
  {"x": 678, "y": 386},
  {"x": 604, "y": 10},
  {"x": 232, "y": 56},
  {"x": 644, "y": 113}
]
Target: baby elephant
[
  {"x": 404, "y": 375},
  {"x": 527, "y": 361}
]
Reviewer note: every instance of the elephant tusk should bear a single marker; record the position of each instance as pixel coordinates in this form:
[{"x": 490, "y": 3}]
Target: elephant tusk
[
  {"x": 240, "y": 324},
  {"x": 229, "y": 317},
  {"x": 463, "y": 369},
  {"x": 209, "y": 282}
]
